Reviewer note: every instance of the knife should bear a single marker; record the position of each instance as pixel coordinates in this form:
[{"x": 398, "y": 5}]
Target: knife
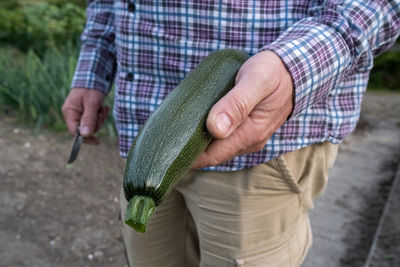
[{"x": 78, "y": 139}]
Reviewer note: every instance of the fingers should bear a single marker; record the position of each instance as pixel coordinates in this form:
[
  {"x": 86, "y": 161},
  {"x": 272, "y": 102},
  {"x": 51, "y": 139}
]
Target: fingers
[
  {"x": 72, "y": 119},
  {"x": 72, "y": 110},
  {"x": 85, "y": 108},
  {"x": 91, "y": 140},
  {"x": 253, "y": 133},
  {"x": 254, "y": 82},
  {"x": 247, "y": 138},
  {"x": 89, "y": 119},
  {"x": 228, "y": 113},
  {"x": 101, "y": 117},
  {"x": 92, "y": 106}
]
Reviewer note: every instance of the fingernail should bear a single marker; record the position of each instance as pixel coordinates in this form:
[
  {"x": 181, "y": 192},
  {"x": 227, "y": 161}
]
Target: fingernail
[
  {"x": 223, "y": 123},
  {"x": 85, "y": 130}
]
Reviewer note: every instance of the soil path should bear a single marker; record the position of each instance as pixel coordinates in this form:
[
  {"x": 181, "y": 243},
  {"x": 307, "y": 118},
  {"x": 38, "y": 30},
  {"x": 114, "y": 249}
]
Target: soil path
[
  {"x": 54, "y": 215},
  {"x": 346, "y": 216}
]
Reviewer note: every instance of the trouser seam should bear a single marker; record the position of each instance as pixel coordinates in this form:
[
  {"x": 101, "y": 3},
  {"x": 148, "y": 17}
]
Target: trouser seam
[
  {"x": 288, "y": 178},
  {"x": 126, "y": 254},
  {"x": 182, "y": 238},
  {"x": 281, "y": 165}
]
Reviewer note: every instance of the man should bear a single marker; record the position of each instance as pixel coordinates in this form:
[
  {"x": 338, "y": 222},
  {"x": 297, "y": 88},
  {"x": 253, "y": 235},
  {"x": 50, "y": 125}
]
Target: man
[{"x": 277, "y": 130}]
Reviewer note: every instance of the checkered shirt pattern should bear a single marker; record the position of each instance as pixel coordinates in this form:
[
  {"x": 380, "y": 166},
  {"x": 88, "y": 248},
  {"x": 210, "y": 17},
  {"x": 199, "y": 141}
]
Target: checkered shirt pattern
[{"x": 148, "y": 46}]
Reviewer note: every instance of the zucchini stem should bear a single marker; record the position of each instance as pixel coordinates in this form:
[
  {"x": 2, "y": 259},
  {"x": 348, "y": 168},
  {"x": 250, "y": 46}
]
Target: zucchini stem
[{"x": 138, "y": 212}]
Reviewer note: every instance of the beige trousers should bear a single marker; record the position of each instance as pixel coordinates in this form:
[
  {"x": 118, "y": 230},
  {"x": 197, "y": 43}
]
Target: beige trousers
[{"x": 253, "y": 217}]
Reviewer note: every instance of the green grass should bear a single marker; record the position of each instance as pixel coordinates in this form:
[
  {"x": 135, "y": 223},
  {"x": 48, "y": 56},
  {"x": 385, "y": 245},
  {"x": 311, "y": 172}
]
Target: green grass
[
  {"x": 36, "y": 87},
  {"x": 386, "y": 72},
  {"x": 38, "y": 24}
]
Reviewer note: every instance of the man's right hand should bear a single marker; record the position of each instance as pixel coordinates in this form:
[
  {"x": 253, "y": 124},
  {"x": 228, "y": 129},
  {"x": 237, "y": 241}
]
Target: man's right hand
[{"x": 84, "y": 108}]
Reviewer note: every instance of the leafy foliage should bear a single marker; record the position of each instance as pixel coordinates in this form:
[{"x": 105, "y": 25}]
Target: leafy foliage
[
  {"x": 35, "y": 74},
  {"x": 40, "y": 25},
  {"x": 38, "y": 56},
  {"x": 37, "y": 87},
  {"x": 386, "y": 71}
]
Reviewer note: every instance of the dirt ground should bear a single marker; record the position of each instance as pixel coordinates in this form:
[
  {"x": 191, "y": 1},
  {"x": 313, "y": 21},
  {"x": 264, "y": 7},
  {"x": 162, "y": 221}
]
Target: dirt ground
[
  {"x": 346, "y": 216},
  {"x": 387, "y": 251},
  {"x": 52, "y": 214}
]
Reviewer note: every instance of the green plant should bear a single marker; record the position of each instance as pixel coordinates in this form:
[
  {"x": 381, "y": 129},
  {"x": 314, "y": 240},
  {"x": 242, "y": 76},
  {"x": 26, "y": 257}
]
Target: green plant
[
  {"x": 80, "y": 3},
  {"x": 40, "y": 25},
  {"x": 9, "y": 4},
  {"x": 37, "y": 87},
  {"x": 386, "y": 71},
  {"x": 175, "y": 135}
]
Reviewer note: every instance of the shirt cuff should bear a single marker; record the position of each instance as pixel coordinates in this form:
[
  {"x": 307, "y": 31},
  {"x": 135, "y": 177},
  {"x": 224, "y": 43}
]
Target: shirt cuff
[
  {"x": 316, "y": 56},
  {"x": 95, "y": 69}
]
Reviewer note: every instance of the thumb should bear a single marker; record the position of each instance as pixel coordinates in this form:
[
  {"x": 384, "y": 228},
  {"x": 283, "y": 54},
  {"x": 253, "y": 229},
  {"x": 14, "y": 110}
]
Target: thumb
[
  {"x": 231, "y": 110},
  {"x": 88, "y": 122},
  {"x": 257, "y": 78}
]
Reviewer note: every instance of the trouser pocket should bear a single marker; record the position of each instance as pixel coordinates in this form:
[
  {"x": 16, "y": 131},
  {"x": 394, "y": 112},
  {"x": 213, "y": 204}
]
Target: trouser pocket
[{"x": 305, "y": 171}]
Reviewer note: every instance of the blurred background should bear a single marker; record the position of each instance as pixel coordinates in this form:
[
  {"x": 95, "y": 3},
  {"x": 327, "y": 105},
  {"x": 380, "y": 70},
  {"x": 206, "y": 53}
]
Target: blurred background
[
  {"x": 39, "y": 42},
  {"x": 54, "y": 214}
]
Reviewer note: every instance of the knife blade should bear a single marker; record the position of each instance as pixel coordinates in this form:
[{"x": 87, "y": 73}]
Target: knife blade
[{"x": 78, "y": 139}]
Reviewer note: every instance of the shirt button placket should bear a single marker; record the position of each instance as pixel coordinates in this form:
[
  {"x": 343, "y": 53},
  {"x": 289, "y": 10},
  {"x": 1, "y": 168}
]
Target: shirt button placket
[
  {"x": 131, "y": 7},
  {"x": 129, "y": 77}
]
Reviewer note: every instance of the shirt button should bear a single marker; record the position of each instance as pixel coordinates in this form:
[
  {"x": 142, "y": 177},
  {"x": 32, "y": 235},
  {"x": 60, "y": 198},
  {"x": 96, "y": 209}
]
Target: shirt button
[
  {"x": 129, "y": 77},
  {"x": 131, "y": 7}
]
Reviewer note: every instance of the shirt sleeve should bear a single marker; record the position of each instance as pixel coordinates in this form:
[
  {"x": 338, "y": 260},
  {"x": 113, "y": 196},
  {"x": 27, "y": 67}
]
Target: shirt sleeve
[
  {"x": 96, "y": 63},
  {"x": 337, "y": 38}
]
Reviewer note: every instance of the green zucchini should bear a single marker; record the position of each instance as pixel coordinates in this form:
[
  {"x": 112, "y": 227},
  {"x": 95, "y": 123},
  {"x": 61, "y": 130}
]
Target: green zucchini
[{"x": 175, "y": 135}]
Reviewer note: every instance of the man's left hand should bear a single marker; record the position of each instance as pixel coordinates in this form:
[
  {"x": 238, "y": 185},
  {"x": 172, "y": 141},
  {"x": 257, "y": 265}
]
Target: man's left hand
[{"x": 244, "y": 119}]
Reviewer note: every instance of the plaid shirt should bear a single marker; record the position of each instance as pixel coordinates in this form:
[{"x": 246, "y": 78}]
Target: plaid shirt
[{"x": 149, "y": 46}]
